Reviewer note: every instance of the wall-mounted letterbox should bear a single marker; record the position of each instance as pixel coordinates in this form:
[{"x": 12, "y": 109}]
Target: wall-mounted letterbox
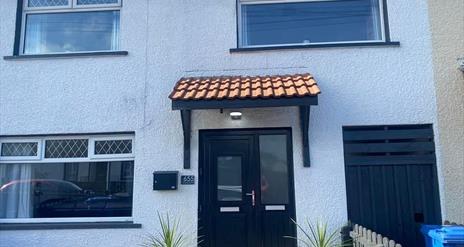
[{"x": 165, "y": 180}]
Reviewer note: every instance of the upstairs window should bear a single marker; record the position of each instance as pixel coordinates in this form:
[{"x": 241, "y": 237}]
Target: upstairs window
[
  {"x": 297, "y": 22},
  {"x": 60, "y": 26}
]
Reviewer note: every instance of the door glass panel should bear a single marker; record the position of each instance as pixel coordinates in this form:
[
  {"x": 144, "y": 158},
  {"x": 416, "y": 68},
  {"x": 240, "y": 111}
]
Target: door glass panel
[
  {"x": 274, "y": 169},
  {"x": 229, "y": 178}
]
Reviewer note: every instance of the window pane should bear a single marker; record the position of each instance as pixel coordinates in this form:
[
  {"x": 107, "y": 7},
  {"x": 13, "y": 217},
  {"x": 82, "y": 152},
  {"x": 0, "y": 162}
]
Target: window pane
[
  {"x": 89, "y": 2},
  {"x": 54, "y": 190},
  {"x": 113, "y": 147},
  {"x": 229, "y": 178},
  {"x": 72, "y": 32},
  {"x": 310, "y": 22},
  {"x": 19, "y": 149},
  {"x": 47, "y": 3},
  {"x": 68, "y": 148},
  {"x": 274, "y": 169}
]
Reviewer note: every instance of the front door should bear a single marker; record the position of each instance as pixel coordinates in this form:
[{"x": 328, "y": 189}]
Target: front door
[{"x": 246, "y": 193}]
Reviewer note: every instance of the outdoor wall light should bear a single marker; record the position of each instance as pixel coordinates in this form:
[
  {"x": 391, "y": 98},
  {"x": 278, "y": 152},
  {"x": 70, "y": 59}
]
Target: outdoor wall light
[
  {"x": 236, "y": 115},
  {"x": 461, "y": 63}
]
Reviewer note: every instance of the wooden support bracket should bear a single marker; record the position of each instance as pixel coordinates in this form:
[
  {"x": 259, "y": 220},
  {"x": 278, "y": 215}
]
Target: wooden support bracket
[
  {"x": 304, "y": 124},
  {"x": 186, "y": 117}
]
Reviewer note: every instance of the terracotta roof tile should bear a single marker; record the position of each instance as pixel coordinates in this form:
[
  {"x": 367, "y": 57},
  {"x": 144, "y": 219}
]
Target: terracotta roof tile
[
  {"x": 277, "y": 83},
  {"x": 201, "y": 93},
  {"x": 234, "y": 85},
  {"x": 223, "y": 93},
  {"x": 302, "y": 90},
  {"x": 245, "y": 93},
  {"x": 290, "y": 91},
  {"x": 245, "y": 87},
  {"x": 233, "y": 93},
  {"x": 203, "y": 86},
  {"x": 266, "y": 84},
  {"x": 279, "y": 91},
  {"x": 190, "y": 95},
  {"x": 213, "y": 85},
  {"x": 288, "y": 83},
  {"x": 255, "y": 93},
  {"x": 211, "y": 94},
  {"x": 267, "y": 92}
]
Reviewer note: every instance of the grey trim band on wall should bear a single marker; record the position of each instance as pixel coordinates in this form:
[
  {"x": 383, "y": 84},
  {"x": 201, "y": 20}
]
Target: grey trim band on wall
[
  {"x": 67, "y": 55},
  {"x": 65, "y": 226},
  {"x": 312, "y": 46},
  {"x": 71, "y": 134}
]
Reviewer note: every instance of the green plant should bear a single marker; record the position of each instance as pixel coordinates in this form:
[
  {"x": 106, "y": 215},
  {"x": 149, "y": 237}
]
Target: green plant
[
  {"x": 318, "y": 235},
  {"x": 169, "y": 236}
]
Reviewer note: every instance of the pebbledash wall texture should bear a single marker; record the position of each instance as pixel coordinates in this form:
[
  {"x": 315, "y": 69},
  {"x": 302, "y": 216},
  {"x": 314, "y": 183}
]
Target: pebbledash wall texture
[
  {"x": 170, "y": 39},
  {"x": 447, "y": 25}
]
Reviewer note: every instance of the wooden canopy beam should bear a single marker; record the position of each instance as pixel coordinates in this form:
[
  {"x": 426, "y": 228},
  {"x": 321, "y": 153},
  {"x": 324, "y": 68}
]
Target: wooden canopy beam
[{"x": 186, "y": 117}]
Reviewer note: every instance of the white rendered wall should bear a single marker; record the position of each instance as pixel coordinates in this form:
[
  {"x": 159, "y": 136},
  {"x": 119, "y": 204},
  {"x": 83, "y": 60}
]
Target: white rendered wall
[
  {"x": 447, "y": 25},
  {"x": 170, "y": 39}
]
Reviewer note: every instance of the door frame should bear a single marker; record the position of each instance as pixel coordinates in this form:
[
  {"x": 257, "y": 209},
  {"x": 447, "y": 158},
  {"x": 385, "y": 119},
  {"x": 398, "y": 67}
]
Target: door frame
[{"x": 204, "y": 134}]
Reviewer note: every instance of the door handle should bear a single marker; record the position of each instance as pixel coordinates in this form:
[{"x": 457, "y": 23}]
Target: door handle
[{"x": 252, "y": 194}]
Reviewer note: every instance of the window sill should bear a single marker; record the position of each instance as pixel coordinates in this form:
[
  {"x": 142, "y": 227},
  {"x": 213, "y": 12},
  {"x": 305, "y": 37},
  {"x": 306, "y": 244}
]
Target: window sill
[
  {"x": 308, "y": 46},
  {"x": 64, "y": 226},
  {"x": 67, "y": 55}
]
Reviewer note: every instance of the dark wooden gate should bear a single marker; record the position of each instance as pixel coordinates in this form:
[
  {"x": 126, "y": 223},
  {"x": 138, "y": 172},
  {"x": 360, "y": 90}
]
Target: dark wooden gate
[{"x": 391, "y": 180}]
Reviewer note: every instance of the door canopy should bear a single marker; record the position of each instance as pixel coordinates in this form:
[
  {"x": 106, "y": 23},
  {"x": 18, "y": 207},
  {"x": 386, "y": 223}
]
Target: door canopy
[{"x": 221, "y": 92}]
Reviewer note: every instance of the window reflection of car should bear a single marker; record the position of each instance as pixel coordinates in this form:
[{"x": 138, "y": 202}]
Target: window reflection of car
[{"x": 58, "y": 198}]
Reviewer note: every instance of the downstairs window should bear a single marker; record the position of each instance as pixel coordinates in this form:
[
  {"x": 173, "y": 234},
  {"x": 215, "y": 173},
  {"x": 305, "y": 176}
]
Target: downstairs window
[{"x": 66, "y": 177}]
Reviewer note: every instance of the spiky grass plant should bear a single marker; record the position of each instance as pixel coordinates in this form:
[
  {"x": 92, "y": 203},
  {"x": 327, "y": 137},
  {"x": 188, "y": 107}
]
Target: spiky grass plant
[
  {"x": 318, "y": 235},
  {"x": 169, "y": 236}
]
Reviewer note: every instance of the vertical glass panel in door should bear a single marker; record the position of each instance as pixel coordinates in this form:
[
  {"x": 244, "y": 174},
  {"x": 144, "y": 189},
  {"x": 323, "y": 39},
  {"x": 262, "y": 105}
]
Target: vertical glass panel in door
[
  {"x": 274, "y": 169},
  {"x": 229, "y": 169}
]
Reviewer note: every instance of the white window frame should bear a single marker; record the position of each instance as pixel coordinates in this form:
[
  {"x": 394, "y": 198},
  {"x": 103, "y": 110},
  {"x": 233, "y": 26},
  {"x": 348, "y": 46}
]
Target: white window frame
[
  {"x": 92, "y": 141},
  {"x": 67, "y": 220},
  {"x": 70, "y": 8},
  {"x": 255, "y": 2},
  {"x": 41, "y": 159},
  {"x": 45, "y": 159},
  {"x": 21, "y": 158},
  {"x": 27, "y": 8},
  {"x": 107, "y": 5}
]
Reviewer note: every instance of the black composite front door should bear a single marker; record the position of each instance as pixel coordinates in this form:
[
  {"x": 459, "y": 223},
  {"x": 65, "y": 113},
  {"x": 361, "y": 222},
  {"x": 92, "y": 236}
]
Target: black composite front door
[{"x": 246, "y": 193}]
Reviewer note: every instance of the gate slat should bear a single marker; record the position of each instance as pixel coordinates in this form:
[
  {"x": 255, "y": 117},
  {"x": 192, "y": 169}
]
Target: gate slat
[
  {"x": 390, "y": 160},
  {"x": 369, "y": 135},
  {"x": 390, "y": 147}
]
